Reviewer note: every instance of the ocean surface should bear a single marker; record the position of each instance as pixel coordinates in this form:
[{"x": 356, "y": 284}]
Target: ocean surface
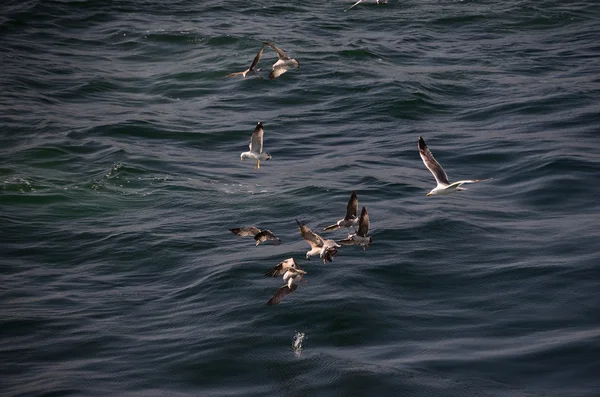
[{"x": 120, "y": 178}]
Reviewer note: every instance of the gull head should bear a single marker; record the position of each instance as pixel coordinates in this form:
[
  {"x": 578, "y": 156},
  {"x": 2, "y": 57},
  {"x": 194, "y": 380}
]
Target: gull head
[{"x": 268, "y": 157}]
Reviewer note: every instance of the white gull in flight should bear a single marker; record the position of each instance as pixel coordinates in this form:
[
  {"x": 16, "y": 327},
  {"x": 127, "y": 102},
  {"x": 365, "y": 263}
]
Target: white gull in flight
[
  {"x": 351, "y": 218},
  {"x": 256, "y": 147},
  {"x": 361, "y": 237},
  {"x": 283, "y": 64},
  {"x": 443, "y": 185},
  {"x": 292, "y": 275},
  {"x": 326, "y": 249}
]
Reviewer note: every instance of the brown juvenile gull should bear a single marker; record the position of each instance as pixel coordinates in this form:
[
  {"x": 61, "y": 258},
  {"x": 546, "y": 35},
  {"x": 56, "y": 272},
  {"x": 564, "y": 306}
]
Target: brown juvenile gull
[
  {"x": 326, "y": 249},
  {"x": 361, "y": 237},
  {"x": 256, "y": 147},
  {"x": 351, "y": 218},
  {"x": 292, "y": 275},
  {"x": 443, "y": 185},
  {"x": 252, "y": 69},
  {"x": 260, "y": 235},
  {"x": 283, "y": 64}
]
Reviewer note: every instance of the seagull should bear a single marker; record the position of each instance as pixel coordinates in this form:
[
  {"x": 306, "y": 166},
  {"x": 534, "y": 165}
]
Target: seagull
[
  {"x": 292, "y": 275},
  {"x": 251, "y": 70},
  {"x": 256, "y": 147},
  {"x": 360, "y": 1},
  {"x": 351, "y": 218},
  {"x": 443, "y": 185},
  {"x": 260, "y": 235},
  {"x": 361, "y": 237},
  {"x": 283, "y": 267},
  {"x": 283, "y": 64},
  {"x": 326, "y": 249}
]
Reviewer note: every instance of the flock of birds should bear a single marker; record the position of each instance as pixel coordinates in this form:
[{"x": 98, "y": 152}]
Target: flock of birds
[
  {"x": 358, "y": 226},
  {"x": 325, "y": 248}
]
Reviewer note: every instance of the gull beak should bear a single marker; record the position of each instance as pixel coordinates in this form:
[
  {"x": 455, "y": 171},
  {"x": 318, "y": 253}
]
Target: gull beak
[{"x": 428, "y": 194}]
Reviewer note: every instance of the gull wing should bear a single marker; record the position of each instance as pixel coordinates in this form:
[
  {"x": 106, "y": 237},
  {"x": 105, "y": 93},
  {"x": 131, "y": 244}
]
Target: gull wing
[
  {"x": 432, "y": 165},
  {"x": 352, "y": 208},
  {"x": 280, "y": 269},
  {"x": 266, "y": 235},
  {"x": 355, "y": 4},
  {"x": 256, "y": 140},
  {"x": 280, "y": 54},
  {"x": 363, "y": 223},
  {"x": 234, "y": 74},
  {"x": 245, "y": 231},
  {"x": 281, "y": 293},
  {"x": 311, "y": 237},
  {"x": 257, "y": 57},
  {"x": 458, "y": 183}
]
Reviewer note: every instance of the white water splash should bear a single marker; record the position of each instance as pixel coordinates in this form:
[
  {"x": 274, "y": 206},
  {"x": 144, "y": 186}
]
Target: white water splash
[{"x": 297, "y": 342}]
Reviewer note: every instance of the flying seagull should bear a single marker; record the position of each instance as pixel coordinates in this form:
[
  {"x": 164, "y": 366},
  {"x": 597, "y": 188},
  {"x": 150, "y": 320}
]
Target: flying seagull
[
  {"x": 361, "y": 237},
  {"x": 252, "y": 69},
  {"x": 258, "y": 234},
  {"x": 351, "y": 218},
  {"x": 283, "y": 267},
  {"x": 283, "y": 64},
  {"x": 326, "y": 249},
  {"x": 256, "y": 147},
  {"x": 360, "y": 1},
  {"x": 443, "y": 185},
  {"x": 292, "y": 275}
]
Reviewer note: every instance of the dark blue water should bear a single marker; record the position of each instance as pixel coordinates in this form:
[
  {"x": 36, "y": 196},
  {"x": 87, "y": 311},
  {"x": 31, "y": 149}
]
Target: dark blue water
[{"x": 120, "y": 177}]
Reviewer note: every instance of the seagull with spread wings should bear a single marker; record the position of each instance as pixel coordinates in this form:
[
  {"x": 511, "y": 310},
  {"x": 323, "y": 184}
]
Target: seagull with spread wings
[
  {"x": 260, "y": 235},
  {"x": 351, "y": 218},
  {"x": 256, "y": 147},
  {"x": 361, "y": 237},
  {"x": 292, "y": 275},
  {"x": 443, "y": 185},
  {"x": 252, "y": 69},
  {"x": 326, "y": 249},
  {"x": 283, "y": 64}
]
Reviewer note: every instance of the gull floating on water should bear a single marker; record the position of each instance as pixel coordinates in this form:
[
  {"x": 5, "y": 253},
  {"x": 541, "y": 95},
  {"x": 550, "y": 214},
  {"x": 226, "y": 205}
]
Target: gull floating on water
[
  {"x": 351, "y": 218},
  {"x": 443, "y": 185},
  {"x": 361, "y": 237},
  {"x": 251, "y": 70},
  {"x": 260, "y": 235},
  {"x": 326, "y": 249},
  {"x": 360, "y": 1},
  {"x": 256, "y": 147},
  {"x": 283, "y": 64},
  {"x": 292, "y": 275}
]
